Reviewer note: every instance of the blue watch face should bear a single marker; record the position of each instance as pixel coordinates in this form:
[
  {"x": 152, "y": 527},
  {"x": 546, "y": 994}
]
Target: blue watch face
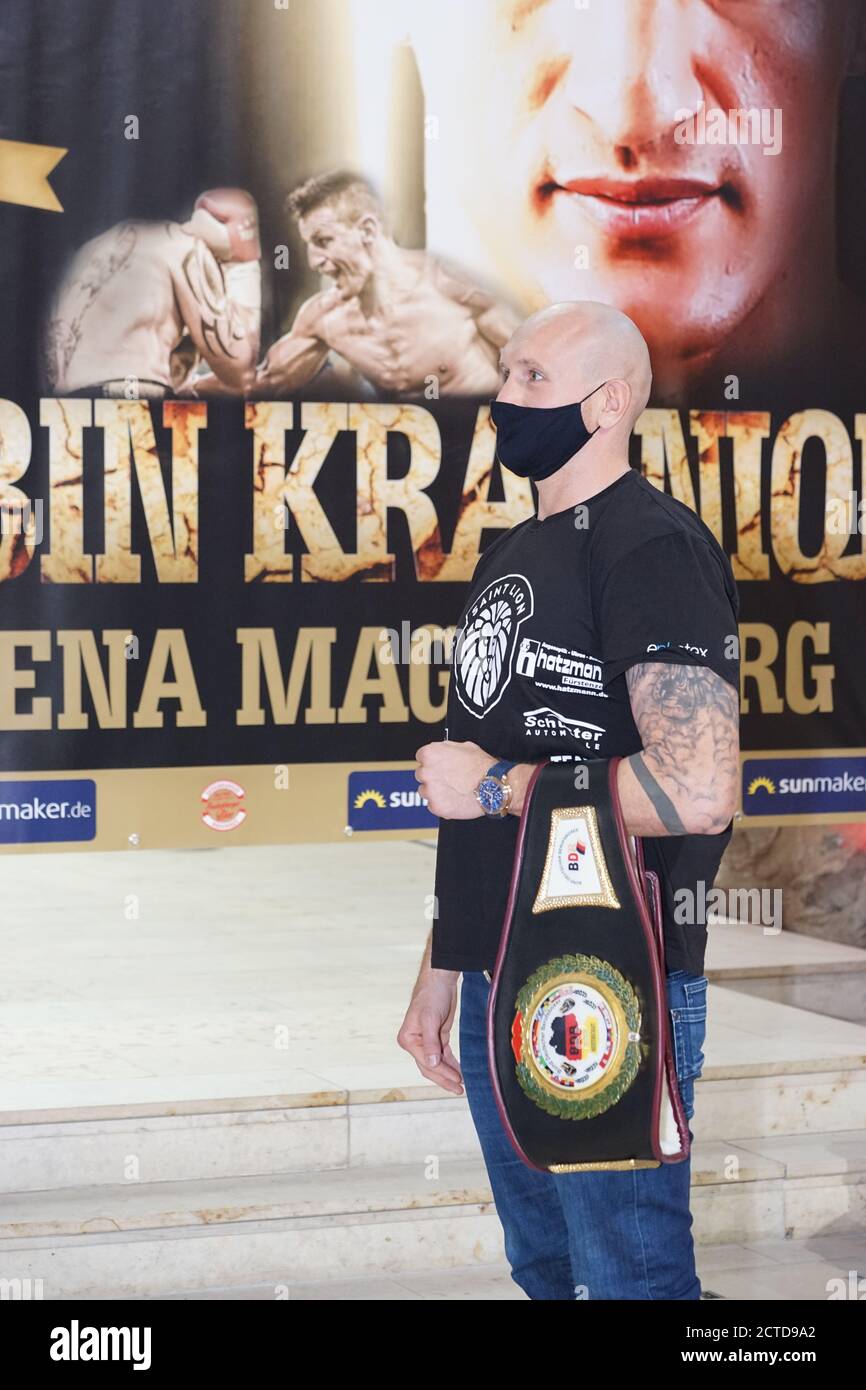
[{"x": 491, "y": 794}]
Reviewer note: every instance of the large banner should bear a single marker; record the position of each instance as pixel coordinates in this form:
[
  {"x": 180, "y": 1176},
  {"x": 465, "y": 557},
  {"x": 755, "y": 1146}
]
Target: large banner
[{"x": 258, "y": 262}]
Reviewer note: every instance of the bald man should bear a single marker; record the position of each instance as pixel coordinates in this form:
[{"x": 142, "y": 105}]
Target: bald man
[{"x": 604, "y": 625}]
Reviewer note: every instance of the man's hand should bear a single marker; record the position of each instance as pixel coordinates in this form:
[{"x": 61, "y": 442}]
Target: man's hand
[
  {"x": 427, "y": 1026},
  {"x": 448, "y": 774}
]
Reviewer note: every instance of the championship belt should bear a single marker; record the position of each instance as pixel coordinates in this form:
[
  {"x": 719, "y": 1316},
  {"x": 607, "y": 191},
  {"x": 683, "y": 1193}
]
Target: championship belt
[{"x": 578, "y": 1037}]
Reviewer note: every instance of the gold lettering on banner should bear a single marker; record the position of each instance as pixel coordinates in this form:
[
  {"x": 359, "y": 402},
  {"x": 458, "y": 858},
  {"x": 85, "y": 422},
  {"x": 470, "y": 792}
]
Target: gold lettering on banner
[
  {"x": 747, "y": 430},
  {"x": 362, "y": 685},
  {"x": 420, "y": 672},
  {"x": 109, "y": 698},
  {"x": 129, "y": 440},
  {"x": 280, "y": 493},
  {"x": 66, "y": 562},
  {"x": 477, "y": 512},
  {"x": 374, "y": 681},
  {"x": 279, "y": 490},
  {"x": 169, "y": 646},
  {"x": 664, "y": 453},
  {"x": 169, "y": 675},
  {"x": 707, "y": 427},
  {"x": 786, "y": 502},
  {"x": 284, "y": 496},
  {"x": 756, "y": 665},
  {"x": 312, "y": 653},
  {"x": 818, "y": 634},
  {"x": 13, "y": 678},
  {"x": 665, "y": 458},
  {"x": 18, "y": 538},
  {"x": 377, "y": 493},
  {"x": 177, "y": 561}
]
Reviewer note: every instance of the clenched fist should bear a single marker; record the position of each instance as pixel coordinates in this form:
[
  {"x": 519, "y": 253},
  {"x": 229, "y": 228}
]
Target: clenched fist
[{"x": 448, "y": 774}]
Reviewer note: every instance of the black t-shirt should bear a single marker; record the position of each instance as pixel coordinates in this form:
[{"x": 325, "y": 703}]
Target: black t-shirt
[{"x": 556, "y": 612}]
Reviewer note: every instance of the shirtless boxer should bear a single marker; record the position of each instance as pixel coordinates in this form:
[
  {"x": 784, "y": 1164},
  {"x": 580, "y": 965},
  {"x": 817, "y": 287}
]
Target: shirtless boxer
[
  {"x": 135, "y": 296},
  {"x": 398, "y": 317}
]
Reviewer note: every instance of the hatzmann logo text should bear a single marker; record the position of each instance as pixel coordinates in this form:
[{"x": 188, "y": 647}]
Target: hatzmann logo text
[{"x": 77, "y": 1343}]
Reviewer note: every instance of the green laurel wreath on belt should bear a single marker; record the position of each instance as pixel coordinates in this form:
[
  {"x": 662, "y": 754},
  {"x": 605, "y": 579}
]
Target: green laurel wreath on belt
[{"x": 623, "y": 1065}]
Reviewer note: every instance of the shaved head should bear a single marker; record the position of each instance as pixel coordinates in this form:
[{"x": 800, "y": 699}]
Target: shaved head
[{"x": 565, "y": 351}]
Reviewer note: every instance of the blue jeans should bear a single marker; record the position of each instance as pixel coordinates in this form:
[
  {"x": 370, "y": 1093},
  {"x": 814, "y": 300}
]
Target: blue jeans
[{"x": 605, "y": 1235}]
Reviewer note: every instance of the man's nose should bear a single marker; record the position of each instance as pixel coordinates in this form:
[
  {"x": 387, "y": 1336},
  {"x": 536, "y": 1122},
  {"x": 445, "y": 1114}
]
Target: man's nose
[
  {"x": 643, "y": 73},
  {"x": 511, "y": 391}
]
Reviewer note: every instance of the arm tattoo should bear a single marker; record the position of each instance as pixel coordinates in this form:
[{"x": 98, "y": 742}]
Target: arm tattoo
[
  {"x": 667, "y": 811},
  {"x": 222, "y": 323},
  {"x": 82, "y": 286},
  {"x": 688, "y": 720}
]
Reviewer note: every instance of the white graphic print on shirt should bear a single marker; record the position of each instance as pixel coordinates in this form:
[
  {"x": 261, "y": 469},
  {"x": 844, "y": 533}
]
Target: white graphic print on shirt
[
  {"x": 547, "y": 723},
  {"x": 560, "y": 668},
  {"x": 484, "y": 648}
]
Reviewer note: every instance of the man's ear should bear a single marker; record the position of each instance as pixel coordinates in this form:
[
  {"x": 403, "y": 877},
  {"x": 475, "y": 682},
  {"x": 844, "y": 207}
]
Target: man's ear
[{"x": 615, "y": 396}]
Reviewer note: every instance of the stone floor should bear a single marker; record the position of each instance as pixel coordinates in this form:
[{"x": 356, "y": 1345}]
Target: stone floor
[
  {"x": 172, "y": 979},
  {"x": 186, "y": 975},
  {"x": 781, "y": 1270}
]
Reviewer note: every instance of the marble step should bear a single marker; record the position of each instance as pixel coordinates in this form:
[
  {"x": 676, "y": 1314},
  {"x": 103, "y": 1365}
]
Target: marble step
[
  {"x": 343, "y": 1129},
  {"x": 786, "y": 967},
  {"x": 765, "y": 1270},
  {"x": 837, "y": 993},
  {"x": 142, "y": 1239}
]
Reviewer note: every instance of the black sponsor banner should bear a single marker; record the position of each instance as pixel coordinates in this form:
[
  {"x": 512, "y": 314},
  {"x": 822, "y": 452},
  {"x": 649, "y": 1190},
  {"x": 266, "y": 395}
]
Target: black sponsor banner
[
  {"x": 254, "y": 296},
  {"x": 196, "y": 582}
]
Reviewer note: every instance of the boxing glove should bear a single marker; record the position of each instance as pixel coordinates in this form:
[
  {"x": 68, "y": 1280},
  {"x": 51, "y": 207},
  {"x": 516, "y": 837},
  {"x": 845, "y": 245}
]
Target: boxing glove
[{"x": 227, "y": 221}]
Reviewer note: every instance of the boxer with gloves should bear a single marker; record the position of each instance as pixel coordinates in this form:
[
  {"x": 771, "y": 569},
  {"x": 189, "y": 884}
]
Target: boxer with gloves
[{"x": 137, "y": 292}]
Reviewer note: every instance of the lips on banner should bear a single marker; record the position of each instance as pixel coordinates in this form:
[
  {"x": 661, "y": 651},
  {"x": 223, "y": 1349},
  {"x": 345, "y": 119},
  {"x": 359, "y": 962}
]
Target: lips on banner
[{"x": 24, "y": 171}]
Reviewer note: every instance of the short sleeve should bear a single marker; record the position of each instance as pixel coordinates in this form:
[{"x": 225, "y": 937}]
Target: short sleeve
[{"x": 672, "y": 598}]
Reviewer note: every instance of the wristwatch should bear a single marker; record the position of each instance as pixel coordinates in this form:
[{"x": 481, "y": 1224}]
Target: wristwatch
[{"x": 493, "y": 791}]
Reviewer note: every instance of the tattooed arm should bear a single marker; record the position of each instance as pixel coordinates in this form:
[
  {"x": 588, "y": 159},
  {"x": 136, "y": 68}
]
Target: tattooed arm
[
  {"x": 684, "y": 780},
  {"x": 222, "y": 319}
]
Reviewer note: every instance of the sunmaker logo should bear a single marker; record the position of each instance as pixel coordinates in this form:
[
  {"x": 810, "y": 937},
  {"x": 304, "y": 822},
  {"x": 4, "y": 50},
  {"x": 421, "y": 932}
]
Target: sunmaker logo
[
  {"x": 39, "y": 810},
  {"x": 803, "y": 786},
  {"x": 387, "y": 800}
]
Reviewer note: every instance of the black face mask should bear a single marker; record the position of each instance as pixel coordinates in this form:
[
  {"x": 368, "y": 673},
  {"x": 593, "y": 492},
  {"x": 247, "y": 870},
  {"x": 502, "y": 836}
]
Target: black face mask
[{"x": 534, "y": 441}]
